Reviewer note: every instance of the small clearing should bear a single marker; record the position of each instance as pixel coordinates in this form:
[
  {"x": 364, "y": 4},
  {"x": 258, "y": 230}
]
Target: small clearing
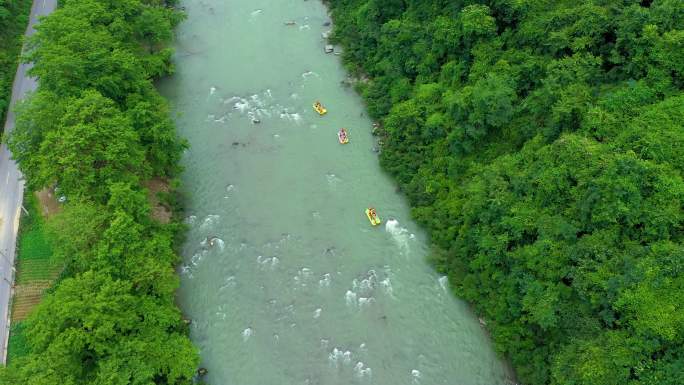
[
  {"x": 48, "y": 202},
  {"x": 160, "y": 212}
]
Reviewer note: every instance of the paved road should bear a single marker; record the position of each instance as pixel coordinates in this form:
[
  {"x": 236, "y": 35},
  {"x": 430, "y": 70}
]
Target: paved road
[{"x": 12, "y": 186}]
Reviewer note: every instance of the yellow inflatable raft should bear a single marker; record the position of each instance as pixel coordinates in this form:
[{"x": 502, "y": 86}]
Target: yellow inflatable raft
[
  {"x": 319, "y": 108},
  {"x": 373, "y": 216}
]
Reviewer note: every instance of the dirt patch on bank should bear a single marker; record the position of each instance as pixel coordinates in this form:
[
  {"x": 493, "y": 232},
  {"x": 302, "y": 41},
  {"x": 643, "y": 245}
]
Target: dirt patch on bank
[
  {"x": 160, "y": 212},
  {"x": 48, "y": 202},
  {"x": 27, "y": 297}
]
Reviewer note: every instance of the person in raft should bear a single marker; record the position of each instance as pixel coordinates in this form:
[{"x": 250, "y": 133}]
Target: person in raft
[
  {"x": 372, "y": 212},
  {"x": 343, "y": 134}
]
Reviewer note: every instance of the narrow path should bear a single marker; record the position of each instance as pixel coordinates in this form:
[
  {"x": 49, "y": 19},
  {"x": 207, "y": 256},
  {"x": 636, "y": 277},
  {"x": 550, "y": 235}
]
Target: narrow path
[{"x": 12, "y": 184}]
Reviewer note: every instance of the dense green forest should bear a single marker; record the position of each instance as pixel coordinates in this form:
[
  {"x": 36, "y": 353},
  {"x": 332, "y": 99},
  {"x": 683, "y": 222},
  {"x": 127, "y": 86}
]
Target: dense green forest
[
  {"x": 13, "y": 21},
  {"x": 542, "y": 144},
  {"x": 97, "y": 129}
]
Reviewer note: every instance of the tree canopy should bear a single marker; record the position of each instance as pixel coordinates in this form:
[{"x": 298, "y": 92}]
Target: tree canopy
[
  {"x": 96, "y": 129},
  {"x": 13, "y": 21},
  {"x": 541, "y": 144}
]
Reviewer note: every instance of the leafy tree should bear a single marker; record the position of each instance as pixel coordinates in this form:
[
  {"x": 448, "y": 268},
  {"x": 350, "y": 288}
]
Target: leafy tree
[
  {"x": 92, "y": 145},
  {"x": 94, "y": 330}
]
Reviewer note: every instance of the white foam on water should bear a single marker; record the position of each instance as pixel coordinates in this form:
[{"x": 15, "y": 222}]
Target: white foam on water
[
  {"x": 267, "y": 262},
  {"x": 303, "y": 276},
  {"x": 230, "y": 188},
  {"x": 443, "y": 282},
  {"x": 190, "y": 220},
  {"x": 198, "y": 257},
  {"x": 210, "y": 221},
  {"x": 350, "y": 298},
  {"x": 308, "y": 74},
  {"x": 228, "y": 283},
  {"x": 415, "y": 376},
  {"x": 317, "y": 312},
  {"x": 362, "y": 372},
  {"x": 257, "y": 12},
  {"x": 212, "y": 90},
  {"x": 366, "y": 302},
  {"x": 400, "y": 234},
  {"x": 186, "y": 271},
  {"x": 337, "y": 356},
  {"x": 291, "y": 116},
  {"x": 257, "y": 100},
  {"x": 247, "y": 333},
  {"x": 334, "y": 357},
  {"x": 325, "y": 281},
  {"x": 241, "y": 105},
  {"x": 346, "y": 357},
  {"x": 366, "y": 284},
  {"x": 332, "y": 179},
  {"x": 387, "y": 286},
  {"x": 217, "y": 242},
  {"x": 304, "y": 27},
  {"x": 325, "y": 343}
]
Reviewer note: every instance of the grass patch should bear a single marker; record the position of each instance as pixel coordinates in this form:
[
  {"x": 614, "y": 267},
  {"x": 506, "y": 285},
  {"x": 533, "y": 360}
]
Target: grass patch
[
  {"x": 13, "y": 21},
  {"x": 17, "y": 346},
  {"x": 37, "y": 270},
  {"x": 34, "y": 256}
]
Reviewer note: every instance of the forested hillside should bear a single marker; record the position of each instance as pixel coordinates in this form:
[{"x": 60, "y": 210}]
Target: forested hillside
[
  {"x": 97, "y": 129},
  {"x": 541, "y": 142},
  {"x": 13, "y": 21}
]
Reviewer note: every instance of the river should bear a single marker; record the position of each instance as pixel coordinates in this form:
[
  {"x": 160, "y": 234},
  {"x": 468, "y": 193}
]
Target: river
[{"x": 284, "y": 278}]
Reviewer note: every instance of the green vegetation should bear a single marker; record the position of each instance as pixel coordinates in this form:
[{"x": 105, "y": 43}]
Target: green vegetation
[
  {"x": 17, "y": 346},
  {"x": 97, "y": 129},
  {"x": 34, "y": 255},
  {"x": 541, "y": 143},
  {"x": 13, "y": 22},
  {"x": 36, "y": 272}
]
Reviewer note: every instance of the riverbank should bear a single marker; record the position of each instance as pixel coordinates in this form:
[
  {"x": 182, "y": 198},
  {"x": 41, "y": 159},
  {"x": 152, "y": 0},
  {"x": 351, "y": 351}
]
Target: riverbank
[
  {"x": 11, "y": 193},
  {"x": 517, "y": 135},
  {"x": 96, "y": 138}
]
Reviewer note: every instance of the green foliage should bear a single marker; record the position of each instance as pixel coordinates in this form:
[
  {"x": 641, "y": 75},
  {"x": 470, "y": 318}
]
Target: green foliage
[
  {"x": 96, "y": 128},
  {"x": 13, "y": 22},
  {"x": 94, "y": 329},
  {"x": 35, "y": 258},
  {"x": 541, "y": 143},
  {"x": 17, "y": 346},
  {"x": 33, "y": 242}
]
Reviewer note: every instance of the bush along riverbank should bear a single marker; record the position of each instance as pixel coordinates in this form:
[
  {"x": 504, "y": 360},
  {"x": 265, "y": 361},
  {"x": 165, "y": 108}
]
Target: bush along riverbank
[
  {"x": 13, "y": 21},
  {"x": 541, "y": 144},
  {"x": 98, "y": 130}
]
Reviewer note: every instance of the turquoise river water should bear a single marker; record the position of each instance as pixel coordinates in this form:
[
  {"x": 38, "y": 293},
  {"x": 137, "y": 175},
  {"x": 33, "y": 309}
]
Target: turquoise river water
[{"x": 284, "y": 278}]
